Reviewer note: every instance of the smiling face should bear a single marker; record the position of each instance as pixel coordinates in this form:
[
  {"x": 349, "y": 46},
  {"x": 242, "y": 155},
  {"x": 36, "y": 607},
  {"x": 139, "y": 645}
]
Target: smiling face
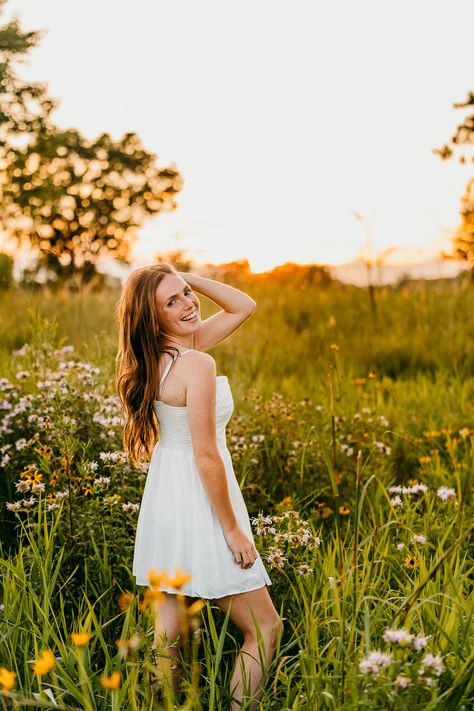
[{"x": 176, "y": 302}]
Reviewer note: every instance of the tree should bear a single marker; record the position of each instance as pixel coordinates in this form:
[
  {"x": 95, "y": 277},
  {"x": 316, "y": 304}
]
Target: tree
[
  {"x": 463, "y": 240},
  {"x": 74, "y": 200},
  {"x": 24, "y": 107}
]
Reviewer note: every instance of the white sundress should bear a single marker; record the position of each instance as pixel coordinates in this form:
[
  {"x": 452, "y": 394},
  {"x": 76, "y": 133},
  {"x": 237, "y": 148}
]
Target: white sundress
[{"x": 177, "y": 525}]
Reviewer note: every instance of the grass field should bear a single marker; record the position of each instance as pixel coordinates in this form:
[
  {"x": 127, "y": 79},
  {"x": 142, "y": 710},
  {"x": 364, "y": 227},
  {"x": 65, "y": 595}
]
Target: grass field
[{"x": 352, "y": 440}]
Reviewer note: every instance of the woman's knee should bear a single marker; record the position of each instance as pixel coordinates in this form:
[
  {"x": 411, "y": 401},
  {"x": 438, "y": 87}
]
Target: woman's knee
[{"x": 271, "y": 628}]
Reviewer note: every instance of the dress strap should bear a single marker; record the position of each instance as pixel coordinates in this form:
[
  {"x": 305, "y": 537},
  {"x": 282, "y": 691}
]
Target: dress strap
[{"x": 167, "y": 369}]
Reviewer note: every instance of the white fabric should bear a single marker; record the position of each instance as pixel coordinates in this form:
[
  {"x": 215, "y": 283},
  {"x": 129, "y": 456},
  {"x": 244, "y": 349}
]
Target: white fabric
[{"x": 177, "y": 524}]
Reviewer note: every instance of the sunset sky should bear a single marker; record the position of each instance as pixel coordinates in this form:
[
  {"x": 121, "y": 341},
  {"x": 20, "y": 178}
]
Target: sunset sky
[{"x": 283, "y": 117}]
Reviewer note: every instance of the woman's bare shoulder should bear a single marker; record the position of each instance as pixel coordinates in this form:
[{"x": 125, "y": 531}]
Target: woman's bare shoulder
[{"x": 200, "y": 363}]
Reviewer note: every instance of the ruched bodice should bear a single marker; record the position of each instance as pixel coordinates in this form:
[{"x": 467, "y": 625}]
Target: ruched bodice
[{"x": 174, "y": 424}]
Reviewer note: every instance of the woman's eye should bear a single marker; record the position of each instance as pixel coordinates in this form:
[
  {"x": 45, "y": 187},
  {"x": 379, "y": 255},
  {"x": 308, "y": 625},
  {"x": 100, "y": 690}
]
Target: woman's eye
[{"x": 188, "y": 291}]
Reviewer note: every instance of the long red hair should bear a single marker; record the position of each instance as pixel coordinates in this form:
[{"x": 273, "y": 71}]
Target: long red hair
[{"x": 140, "y": 345}]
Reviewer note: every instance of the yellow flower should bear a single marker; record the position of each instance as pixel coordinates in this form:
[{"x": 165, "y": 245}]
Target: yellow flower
[
  {"x": 424, "y": 460},
  {"x": 344, "y": 510},
  {"x": 151, "y": 595},
  {"x": 125, "y": 646},
  {"x": 358, "y": 381},
  {"x": 44, "y": 663},
  {"x": 7, "y": 679},
  {"x": 180, "y": 578},
  {"x": 112, "y": 681},
  {"x": 287, "y": 502},
  {"x": 411, "y": 562},
  {"x": 194, "y": 609},
  {"x": 124, "y": 600},
  {"x": 334, "y": 347},
  {"x": 80, "y": 639},
  {"x": 156, "y": 577},
  {"x": 372, "y": 374}
]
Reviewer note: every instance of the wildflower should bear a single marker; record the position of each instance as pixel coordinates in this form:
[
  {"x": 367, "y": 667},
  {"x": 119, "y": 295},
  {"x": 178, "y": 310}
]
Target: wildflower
[
  {"x": 431, "y": 662},
  {"x": 419, "y": 642},
  {"x": 180, "y": 578},
  {"x": 151, "y": 595},
  {"x": 102, "y": 480},
  {"x": 424, "y": 460},
  {"x": 445, "y": 493},
  {"x": 334, "y": 347},
  {"x": 37, "y": 486},
  {"x": 22, "y": 485},
  {"x": 402, "y": 681},
  {"x": 411, "y": 562},
  {"x": 124, "y": 600},
  {"x": 464, "y": 432},
  {"x": 21, "y": 444},
  {"x": 13, "y": 505},
  {"x": 383, "y": 421},
  {"x": 125, "y": 646},
  {"x": 396, "y": 502},
  {"x": 129, "y": 506},
  {"x": 80, "y": 639},
  {"x": 383, "y": 447},
  {"x": 304, "y": 570},
  {"x": 276, "y": 558},
  {"x": 262, "y": 520},
  {"x": 155, "y": 578},
  {"x": 401, "y": 637},
  {"x": 7, "y": 679},
  {"x": 111, "y": 682},
  {"x": 195, "y": 608},
  {"x": 417, "y": 488},
  {"x": 44, "y": 663},
  {"x": 419, "y": 538},
  {"x": 344, "y": 510},
  {"x": 375, "y": 662},
  {"x": 400, "y": 546},
  {"x": 258, "y": 438}
]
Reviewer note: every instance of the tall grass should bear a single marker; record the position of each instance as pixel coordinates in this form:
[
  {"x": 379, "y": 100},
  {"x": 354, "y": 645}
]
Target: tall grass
[{"x": 331, "y": 411}]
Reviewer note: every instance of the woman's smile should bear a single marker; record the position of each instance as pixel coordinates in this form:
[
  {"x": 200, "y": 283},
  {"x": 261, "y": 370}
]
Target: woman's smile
[{"x": 193, "y": 316}]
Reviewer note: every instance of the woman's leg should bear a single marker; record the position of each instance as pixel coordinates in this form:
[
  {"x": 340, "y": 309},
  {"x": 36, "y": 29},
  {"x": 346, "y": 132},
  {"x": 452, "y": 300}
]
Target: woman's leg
[
  {"x": 248, "y": 672},
  {"x": 168, "y": 638}
]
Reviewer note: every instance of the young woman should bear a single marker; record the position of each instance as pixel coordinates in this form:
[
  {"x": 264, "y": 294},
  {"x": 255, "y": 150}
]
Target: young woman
[{"x": 176, "y": 408}]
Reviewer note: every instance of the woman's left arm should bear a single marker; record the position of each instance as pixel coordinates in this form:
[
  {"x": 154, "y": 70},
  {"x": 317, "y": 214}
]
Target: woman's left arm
[{"x": 236, "y": 306}]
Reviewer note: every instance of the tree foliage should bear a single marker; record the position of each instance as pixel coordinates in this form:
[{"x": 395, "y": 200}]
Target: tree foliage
[
  {"x": 463, "y": 241},
  {"x": 77, "y": 200},
  {"x": 73, "y": 199}
]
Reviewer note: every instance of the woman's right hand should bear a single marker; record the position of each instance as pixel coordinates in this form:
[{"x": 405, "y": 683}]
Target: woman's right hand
[{"x": 245, "y": 553}]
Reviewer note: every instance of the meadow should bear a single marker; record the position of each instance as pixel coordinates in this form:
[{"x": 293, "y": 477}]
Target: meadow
[{"x": 352, "y": 440}]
